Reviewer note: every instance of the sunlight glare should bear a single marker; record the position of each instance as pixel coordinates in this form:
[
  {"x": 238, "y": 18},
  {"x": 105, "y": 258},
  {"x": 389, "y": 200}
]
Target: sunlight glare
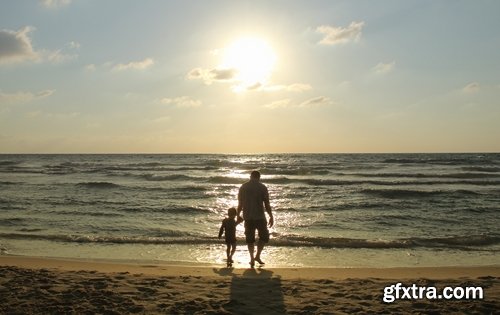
[{"x": 253, "y": 59}]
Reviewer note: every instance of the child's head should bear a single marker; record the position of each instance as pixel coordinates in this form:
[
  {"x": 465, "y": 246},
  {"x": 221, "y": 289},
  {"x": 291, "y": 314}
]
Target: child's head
[{"x": 231, "y": 212}]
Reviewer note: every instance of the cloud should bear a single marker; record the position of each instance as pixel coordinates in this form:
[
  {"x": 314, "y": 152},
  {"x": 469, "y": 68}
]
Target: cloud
[
  {"x": 278, "y": 104},
  {"x": 57, "y": 56},
  {"x": 287, "y": 103},
  {"x": 23, "y": 97},
  {"x": 316, "y": 101},
  {"x": 208, "y": 76},
  {"x": 338, "y": 35},
  {"x": 182, "y": 101},
  {"x": 383, "y": 68},
  {"x": 15, "y": 46},
  {"x": 54, "y": 4},
  {"x": 473, "y": 87},
  {"x": 135, "y": 65}
]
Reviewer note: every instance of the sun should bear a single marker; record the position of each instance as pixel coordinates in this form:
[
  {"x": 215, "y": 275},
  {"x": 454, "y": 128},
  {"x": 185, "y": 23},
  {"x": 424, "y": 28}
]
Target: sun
[{"x": 252, "y": 59}]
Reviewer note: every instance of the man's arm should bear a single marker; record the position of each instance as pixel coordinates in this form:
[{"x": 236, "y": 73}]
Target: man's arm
[
  {"x": 221, "y": 231},
  {"x": 269, "y": 212},
  {"x": 239, "y": 208},
  {"x": 239, "y": 219},
  {"x": 268, "y": 207}
]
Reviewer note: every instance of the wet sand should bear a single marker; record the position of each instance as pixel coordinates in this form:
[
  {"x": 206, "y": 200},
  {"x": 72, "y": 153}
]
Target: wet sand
[{"x": 31, "y": 285}]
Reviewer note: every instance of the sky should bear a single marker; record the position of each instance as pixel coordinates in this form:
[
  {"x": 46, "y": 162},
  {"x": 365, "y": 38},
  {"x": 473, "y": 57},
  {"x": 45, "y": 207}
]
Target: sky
[{"x": 121, "y": 76}]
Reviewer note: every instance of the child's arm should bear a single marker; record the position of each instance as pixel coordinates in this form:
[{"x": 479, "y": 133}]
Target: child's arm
[
  {"x": 239, "y": 220},
  {"x": 221, "y": 231}
]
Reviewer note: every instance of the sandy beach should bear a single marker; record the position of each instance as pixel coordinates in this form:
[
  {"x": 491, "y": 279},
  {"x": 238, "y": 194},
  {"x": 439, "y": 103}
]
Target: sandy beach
[{"x": 30, "y": 285}]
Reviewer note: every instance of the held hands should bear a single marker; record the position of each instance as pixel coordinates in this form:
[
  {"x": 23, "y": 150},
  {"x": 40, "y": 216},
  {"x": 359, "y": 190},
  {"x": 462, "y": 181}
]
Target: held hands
[{"x": 239, "y": 220}]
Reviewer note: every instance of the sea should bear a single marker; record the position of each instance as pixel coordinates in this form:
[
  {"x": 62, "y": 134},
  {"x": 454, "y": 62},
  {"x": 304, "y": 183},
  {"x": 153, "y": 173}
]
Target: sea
[{"x": 331, "y": 210}]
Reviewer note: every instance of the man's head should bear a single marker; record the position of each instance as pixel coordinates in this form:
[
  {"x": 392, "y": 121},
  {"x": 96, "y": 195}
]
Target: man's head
[{"x": 255, "y": 175}]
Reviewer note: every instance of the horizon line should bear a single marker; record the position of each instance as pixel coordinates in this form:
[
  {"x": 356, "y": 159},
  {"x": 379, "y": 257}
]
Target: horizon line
[{"x": 240, "y": 153}]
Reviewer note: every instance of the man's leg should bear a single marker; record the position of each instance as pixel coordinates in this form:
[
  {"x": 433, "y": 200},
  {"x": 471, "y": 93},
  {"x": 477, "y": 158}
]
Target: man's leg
[
  {"x": 260, "y": 247},
  {"x": 251, "y": 249},
  {"x": 250, "y": 239},
  {"x": 263, "y": 239}
]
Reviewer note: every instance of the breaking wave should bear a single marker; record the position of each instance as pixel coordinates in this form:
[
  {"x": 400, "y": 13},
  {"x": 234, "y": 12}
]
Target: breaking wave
[{"x": 182, "y": 238}]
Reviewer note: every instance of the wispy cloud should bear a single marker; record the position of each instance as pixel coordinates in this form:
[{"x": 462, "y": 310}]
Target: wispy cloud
[
  {"x": 54, "y": 4},
  {"x": 135, "y": 65},
  {"x": 23, "y": 97},
  {"x": 473, "y": 87},
  {"x": 383, "y": 68},
  {"x": 338, "y": 35},
  {"x": 57, "y": 56},
  {"x": 182, "y": 101},
  {"x": 208, "y": 76},
  {"x": 287, "y": 103},
  {"x": 316, "y": 101}
]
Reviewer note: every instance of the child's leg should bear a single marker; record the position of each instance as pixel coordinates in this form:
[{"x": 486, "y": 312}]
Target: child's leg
[
  {"x": 228, "y": 251},
  {"x": 233, "y": 249}
]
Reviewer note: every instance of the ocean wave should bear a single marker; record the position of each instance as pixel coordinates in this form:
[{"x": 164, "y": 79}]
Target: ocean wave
[
  {"x": 171, "y": 209},
  {"x": 163, "y": 168},
  {"x": 9, "y": 163},
  {"x": 87, "y": 213},
  {"x": 445, "y": 159},
  {"x": 488, "y": 169},
  {"x": 283, "y": 180},
  {"x": 174, "y": 237},
  {"x": 10, "y": 183},
  {"x": 182, "y": 238},
  {"x": 458, "y": 242},
  {"x": 13, "y": 222},
  {"x": 421, "y": 175},
  {"x": 99, "y": 185},
  {"x": 6, "y": 204},
  {"x": 300, "y": 171},
  {"x": 21, "y": 170},
  {"x": 226, "y": 180},
  {"x": 409, "y": 193},
  {"x": 154, "y": 177}
]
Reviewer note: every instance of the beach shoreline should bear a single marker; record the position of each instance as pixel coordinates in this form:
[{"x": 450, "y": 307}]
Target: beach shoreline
[
  {"x": 189, "y": 269},
  {"x": 48, "y": 285}
]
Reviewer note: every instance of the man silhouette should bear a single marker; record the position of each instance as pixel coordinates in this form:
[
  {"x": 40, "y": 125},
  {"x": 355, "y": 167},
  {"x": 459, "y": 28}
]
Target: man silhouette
[{"x": 252, "y": 198}]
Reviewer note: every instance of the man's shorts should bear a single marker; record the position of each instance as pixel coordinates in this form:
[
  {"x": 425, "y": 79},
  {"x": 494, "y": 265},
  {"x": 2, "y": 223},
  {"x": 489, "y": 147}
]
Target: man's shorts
[{"x": 260, "y": 226}]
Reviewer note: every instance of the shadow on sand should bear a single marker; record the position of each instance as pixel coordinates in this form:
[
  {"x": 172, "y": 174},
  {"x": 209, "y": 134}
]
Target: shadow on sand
[{"x": 255, "y": 291}]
